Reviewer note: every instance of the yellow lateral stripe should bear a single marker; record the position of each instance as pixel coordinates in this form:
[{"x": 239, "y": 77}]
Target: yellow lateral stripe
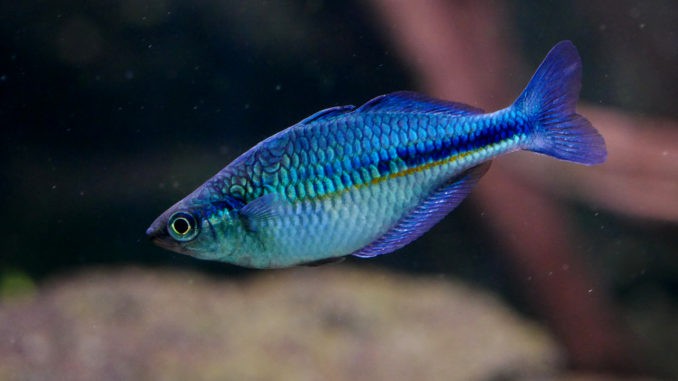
[
  {"x": 420, "y": 168},
  {"x": 402, "y": 173}
]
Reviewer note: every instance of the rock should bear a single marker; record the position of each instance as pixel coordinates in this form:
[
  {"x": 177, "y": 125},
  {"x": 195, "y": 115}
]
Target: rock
[{"x": 328, "y": 323}]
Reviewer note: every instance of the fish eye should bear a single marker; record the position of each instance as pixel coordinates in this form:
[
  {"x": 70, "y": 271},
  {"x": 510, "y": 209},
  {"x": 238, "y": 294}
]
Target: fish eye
[{"x": 182, "y": 226}]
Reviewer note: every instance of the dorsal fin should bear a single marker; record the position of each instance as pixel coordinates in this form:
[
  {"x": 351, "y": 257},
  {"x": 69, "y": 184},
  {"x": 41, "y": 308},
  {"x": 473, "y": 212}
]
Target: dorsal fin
[
  {"x": 408, "y": 101},
  {"x": 328, "y": 112}
]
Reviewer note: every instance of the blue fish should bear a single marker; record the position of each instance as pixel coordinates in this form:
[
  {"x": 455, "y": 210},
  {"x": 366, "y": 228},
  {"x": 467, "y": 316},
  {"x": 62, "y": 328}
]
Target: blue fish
[{"x": 368, "y": 180}]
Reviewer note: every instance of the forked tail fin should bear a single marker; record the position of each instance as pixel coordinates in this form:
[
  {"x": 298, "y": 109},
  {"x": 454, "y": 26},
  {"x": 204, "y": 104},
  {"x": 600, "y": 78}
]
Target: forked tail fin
[{"x": 549, "y": 102}]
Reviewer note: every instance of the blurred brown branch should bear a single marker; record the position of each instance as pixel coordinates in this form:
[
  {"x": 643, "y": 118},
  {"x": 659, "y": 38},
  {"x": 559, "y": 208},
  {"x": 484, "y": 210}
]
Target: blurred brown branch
[
  {"x": 465, "y": 51},
  {"x": 639, "y": 179}
]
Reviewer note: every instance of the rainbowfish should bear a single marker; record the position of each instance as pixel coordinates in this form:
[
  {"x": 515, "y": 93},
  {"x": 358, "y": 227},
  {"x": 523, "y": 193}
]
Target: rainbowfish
[{"x": 369, "y": 180}]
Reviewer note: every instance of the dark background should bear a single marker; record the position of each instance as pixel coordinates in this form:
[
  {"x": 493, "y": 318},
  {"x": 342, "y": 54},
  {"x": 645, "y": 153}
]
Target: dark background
[{"x": 111, "y": 111}]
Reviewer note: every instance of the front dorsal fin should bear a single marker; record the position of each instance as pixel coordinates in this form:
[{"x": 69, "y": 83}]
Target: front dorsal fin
[
  {"x": 428, "y": 213},
  {"x": 327, "y": 113},
  {"x": 408, "y": 101}
]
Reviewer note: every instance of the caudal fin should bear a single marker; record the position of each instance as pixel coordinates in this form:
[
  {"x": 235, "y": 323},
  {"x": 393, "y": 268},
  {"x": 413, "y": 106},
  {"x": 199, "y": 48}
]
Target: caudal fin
[{"x": 549, "y": 102}]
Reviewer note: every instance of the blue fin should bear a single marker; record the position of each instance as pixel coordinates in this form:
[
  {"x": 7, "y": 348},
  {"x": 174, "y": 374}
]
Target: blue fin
[
  {"x": 259, "y": 209},
  {"x": 328, "y": 112},
  {"x": 401, "y": 101},
  {"x": 549, "y": 101},
  {"x": 408, "y": 101},
  {"x": 428, "y": 213}
]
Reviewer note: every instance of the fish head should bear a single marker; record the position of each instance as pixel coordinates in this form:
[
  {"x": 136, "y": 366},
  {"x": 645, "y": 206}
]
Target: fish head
[{"x": 201, "y": 230}]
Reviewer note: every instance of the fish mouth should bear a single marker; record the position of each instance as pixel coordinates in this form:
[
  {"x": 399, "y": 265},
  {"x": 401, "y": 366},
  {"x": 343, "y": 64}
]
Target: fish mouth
[
  {"x": 153, "y": 233},
  {"x": 157, "y": 234}
]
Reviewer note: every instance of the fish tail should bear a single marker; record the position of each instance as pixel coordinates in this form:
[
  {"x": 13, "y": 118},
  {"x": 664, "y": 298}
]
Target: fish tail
[{"x": 549, "y": 102}]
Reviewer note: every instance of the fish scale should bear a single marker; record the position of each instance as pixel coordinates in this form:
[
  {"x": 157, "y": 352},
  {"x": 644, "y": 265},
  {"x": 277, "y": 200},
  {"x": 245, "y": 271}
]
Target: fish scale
[{"x": 366, "y": 181}]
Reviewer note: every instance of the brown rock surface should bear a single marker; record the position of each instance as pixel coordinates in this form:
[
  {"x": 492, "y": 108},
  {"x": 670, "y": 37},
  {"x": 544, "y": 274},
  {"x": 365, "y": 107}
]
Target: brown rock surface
[{"x": 330, "y": 323}]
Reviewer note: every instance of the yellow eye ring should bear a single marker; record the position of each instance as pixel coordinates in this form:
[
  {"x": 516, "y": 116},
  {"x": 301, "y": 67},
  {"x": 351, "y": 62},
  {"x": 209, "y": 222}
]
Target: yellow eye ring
[{"x": 182, "y": 226}]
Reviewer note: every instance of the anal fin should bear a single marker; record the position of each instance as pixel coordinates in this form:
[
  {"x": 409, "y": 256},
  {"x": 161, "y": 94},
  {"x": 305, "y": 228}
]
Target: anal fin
[{"x": 428, "y": 213}]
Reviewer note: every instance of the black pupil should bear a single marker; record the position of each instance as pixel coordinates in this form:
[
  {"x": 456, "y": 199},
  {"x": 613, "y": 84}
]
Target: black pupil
[{"x": 181, "y": 225}]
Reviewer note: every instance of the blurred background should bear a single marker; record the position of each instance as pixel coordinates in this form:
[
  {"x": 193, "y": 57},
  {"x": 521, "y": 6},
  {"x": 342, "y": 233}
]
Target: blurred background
[{"x": 111, "y": 111}]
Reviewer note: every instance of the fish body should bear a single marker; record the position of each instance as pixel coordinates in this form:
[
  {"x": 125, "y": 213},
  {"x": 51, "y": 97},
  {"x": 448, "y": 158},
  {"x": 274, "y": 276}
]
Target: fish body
[{"x": 366, "y": 181}]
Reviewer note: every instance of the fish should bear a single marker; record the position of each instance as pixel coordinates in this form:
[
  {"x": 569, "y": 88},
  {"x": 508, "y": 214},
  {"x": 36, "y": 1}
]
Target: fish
[{"x": 366, "y": 181}]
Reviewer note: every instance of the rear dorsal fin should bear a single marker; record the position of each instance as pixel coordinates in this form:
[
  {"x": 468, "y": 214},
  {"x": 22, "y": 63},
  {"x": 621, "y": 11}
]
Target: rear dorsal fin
[
  {"x": 408, "y": 101},
  {"x": 327, "y": 113},
  {"x": 401, "y": 101}
]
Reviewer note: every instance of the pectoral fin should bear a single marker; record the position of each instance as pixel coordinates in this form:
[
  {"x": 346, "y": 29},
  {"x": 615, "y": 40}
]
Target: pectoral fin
[{"x": 259, "y": 210}]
